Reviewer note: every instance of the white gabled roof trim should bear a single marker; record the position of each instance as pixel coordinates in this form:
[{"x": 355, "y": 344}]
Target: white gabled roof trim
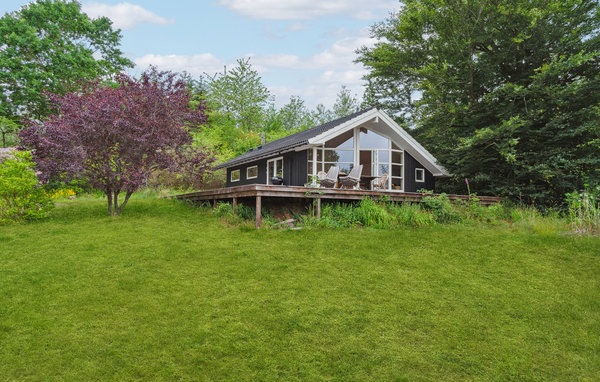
[{"x": 415, "y": 148}]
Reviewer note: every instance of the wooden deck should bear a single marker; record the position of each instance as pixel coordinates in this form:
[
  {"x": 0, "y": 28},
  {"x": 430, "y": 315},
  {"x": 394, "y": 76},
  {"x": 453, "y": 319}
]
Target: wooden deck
[{"x": 258, "y": 191}]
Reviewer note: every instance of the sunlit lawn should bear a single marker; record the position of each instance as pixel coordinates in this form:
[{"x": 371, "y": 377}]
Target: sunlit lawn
[{"x": 167, "y": 291}]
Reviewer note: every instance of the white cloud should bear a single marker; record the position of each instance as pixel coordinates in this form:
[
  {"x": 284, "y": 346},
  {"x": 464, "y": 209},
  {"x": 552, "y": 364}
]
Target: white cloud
[
  {"x": 308, "y": 9},
  {"x": 197, "y": 64},
  {"x": 316, "y": 78},
  {"x": 124, "y": 15},
  {"x": 340, "y": 55}
]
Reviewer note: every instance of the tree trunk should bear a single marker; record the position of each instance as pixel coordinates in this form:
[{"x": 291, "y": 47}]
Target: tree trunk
[
  {"x": 116, "y": 202},
  {"x": 109, "y": 198},
  {"x": 127, "y": 195}
]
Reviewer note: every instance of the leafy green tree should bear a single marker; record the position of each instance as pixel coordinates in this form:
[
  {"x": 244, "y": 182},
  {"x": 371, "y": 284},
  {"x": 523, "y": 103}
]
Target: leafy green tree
[
  {"x": 49, "y": 46},
  {"x": 21, "y": 197},
  {"x": 240, "y": 95},
  {"x": 503, "y": 93},
  {"x": 346, "y": 103},
  {"x": 295, "y": 116}
]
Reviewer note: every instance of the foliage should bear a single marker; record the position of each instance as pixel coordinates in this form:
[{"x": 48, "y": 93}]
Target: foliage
[
  {"x": 345, "y": 104},
  {"x": 223, "y": 210},
  {"x": 7, "y": 127},
  {"x": 21, "y": 197},
  {"x": 62, "y": 193},
  {"x": 505, "y": 94},
  {"x": 116, "y": 137},
  {"x": 584, "y": 210},
  {"x": 243, "y": 114},
  {"x": 239, "y": 95},
  {"x": 49, "y": 46},
  {"x": 441, "y": 208}
]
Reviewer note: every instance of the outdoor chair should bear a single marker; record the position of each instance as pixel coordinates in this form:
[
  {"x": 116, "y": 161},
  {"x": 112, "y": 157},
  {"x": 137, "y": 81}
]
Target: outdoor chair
[
  {"x": 331, "y": 179},
  {"x": 353, "y": 179},
  {"x": 380, "y": 183}
]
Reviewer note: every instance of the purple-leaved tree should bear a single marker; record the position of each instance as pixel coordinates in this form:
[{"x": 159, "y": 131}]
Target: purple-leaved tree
[{"x": 116, "y": 136}]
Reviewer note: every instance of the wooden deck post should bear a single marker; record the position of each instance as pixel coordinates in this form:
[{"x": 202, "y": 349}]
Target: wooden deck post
[
  {"x": 318, "y": 207},
  {"x": 258, "y": 212},
  {"x": 215, "y": 203},
  {"x": 234, "y": 204}
]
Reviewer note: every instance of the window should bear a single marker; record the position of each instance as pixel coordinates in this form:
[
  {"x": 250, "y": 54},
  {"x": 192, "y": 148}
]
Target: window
[
  {"x": 419, "y": 175},
  {"x": 235, "y": 175},
  {"x": 252, "y": 172},
  {"x": 274, "y": 169}
]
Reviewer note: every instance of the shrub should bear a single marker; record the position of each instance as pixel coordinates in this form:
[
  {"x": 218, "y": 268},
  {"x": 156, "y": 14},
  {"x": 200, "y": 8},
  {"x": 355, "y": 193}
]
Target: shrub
[
  {"x": 441, "y": 208},
  {"x": 21, "y": 197},
  {"x": 223, "y": 210}
]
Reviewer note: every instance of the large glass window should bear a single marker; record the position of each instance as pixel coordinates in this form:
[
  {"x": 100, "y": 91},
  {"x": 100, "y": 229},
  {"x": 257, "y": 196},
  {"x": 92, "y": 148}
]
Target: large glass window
[
  {"x": 235, "y": 175},
  {"x": 377, "y": 154},
  {"x": 371, "y": 140}
]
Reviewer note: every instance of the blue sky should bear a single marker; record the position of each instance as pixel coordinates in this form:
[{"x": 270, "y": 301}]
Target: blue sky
[{"x": 300, "y": 47}]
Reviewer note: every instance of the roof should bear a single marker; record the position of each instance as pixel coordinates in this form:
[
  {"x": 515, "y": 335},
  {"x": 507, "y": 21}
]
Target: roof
[{"x": 290, "y": 142}]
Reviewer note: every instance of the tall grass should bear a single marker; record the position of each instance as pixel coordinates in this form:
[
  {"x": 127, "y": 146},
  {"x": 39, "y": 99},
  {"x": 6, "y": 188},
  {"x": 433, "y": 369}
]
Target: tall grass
[{"x": 584, "y": 210}]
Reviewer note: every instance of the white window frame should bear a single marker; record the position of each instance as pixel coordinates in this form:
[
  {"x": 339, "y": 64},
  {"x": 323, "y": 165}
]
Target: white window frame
[
  {"x": 248, "y": 169},
  {"x": 356, "y": 131},
  {"x": 274, "y": 167},
  {"x": 422, "y": 171},
  {"x": 239, "y": 176}
]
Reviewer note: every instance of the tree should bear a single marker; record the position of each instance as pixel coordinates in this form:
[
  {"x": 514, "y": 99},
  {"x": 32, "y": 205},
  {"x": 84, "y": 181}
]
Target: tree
[
  {"x": 240, "y": 95},
  {"x": 115, "y": 137},
  {"x": 503, "y": 93},
  {"x": 50, "y": 46},
  {"x": 345, "y": 103},
  {"x": 295, "y": 116}
]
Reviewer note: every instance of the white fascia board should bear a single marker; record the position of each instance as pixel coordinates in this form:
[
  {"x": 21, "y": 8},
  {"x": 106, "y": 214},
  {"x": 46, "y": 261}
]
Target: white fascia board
[
  {"x": 327, "y": 135},
  {"x": 422, "y": 151}
]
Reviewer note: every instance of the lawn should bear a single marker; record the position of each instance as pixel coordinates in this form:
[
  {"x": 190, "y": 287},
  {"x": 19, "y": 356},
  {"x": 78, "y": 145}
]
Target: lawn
[{"x": 168, "y": 291}]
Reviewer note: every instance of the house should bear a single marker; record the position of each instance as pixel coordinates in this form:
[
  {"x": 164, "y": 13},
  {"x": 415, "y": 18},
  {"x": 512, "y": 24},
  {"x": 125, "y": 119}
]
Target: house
[{"x": 368, "y": 137}]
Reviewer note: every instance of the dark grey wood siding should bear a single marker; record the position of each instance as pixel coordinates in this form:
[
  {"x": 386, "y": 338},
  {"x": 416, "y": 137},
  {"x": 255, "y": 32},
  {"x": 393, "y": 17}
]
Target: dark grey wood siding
[
  {"x": 294, "y": 170},
  {"x": 410, "y": 184},
  {"x": 262, "y": 173}
]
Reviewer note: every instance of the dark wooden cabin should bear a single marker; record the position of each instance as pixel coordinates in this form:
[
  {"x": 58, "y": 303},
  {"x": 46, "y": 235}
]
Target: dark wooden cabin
[{"x": 369, "y": 137}]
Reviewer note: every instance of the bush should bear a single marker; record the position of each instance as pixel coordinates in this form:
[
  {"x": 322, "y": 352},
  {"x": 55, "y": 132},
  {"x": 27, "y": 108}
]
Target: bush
[
  {"x": 441, "y": 208},
  {"x": 21, "y": 197},
  {"x": 223, "y": 210}
]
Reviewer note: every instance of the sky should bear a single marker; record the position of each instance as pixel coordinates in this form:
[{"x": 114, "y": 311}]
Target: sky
[{"x": 303, "y": 48}]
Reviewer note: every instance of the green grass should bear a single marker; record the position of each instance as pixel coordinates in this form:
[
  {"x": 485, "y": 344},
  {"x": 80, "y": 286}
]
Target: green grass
[{"x": 167, "y": 291}]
